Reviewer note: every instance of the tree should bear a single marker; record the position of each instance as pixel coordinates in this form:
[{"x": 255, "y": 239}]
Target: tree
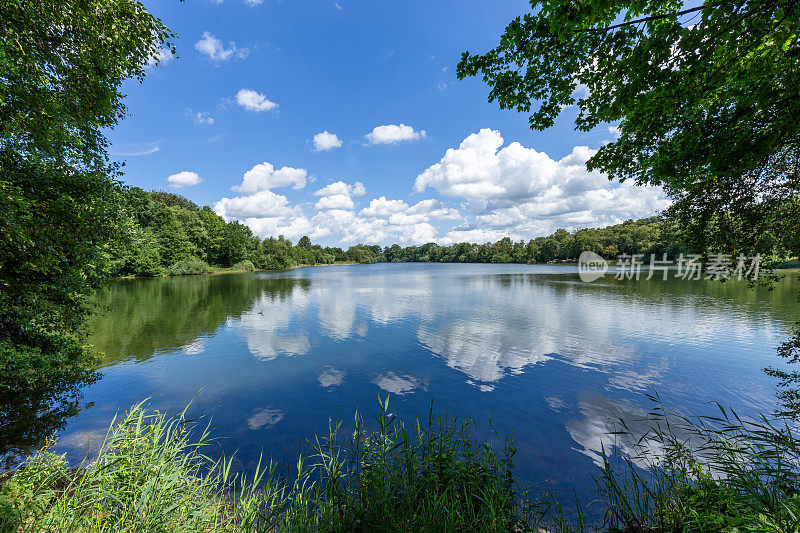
[
  {"x": 238, "y": 244},
  {"x": 214, "y": 227},
  {"x": 146, "y": 259},
  {"x": 704, "y": 97},
  {"x": 304, "y": 242},
  {"x": 173, "y": 242},
  {"x": 139, "y": 205},
  {"x": 62, "y": 63},
  {"x": 195, "y": 230}
]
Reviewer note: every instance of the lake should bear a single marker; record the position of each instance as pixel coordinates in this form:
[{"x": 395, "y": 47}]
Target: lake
[{"x": 270, "y": 357}]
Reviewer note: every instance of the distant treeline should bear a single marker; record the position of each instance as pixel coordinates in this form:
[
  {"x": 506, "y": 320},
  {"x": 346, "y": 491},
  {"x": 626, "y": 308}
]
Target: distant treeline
[
  {"x": 645, "y": 236},
  {"x": 167, "y": 234}
]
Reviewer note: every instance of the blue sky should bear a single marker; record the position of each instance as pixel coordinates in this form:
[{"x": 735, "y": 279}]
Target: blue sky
[{"x": 407, "y": 153}]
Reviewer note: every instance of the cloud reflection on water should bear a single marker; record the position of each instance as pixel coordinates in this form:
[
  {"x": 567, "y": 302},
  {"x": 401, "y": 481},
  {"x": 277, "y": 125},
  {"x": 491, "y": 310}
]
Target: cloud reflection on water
[
  {"x": 265, "y": 418},
  {"x": 399, "y": 384},
  {"x": 331, "y": 377},
  {"x": 557, "y": 360},
  {"x": 487, "y": 327}
]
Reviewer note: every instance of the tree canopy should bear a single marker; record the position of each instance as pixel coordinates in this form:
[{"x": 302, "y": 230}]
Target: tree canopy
[
  {"x": 62, "y": 63},
  {"x": 165, "y": 233}
]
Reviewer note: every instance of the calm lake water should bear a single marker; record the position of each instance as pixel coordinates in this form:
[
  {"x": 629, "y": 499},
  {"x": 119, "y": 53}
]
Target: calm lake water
[{"x": 269, "y": 357}]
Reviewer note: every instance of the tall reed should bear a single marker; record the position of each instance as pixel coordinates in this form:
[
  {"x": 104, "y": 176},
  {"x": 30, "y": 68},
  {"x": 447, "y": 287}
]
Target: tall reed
[{"x": 152, "y": 474}]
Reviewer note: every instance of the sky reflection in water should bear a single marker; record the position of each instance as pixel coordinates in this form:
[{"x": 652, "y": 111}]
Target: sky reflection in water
[{"x": 271, "y": 356}]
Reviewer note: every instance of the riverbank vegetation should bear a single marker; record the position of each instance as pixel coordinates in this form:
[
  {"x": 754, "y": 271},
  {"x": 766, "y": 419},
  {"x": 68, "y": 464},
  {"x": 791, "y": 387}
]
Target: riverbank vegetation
[
  {"x": 154, "y": 473},
  {"x": 167, "y": 234}
]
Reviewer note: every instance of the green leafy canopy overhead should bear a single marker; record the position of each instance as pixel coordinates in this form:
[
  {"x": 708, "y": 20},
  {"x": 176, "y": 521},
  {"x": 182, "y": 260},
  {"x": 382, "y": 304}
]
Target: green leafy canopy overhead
[
  {"x": 699, "y": 92},
  {"x": 62, "y": 64}
]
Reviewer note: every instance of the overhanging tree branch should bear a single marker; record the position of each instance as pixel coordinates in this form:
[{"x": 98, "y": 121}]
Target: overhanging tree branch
[{"x": 655, "y": 17}]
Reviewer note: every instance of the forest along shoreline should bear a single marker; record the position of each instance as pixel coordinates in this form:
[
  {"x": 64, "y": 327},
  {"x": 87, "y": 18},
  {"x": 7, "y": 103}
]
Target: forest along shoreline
[
  {"x": 167, "y": 234},
  {"x": 220, "y": 271}
]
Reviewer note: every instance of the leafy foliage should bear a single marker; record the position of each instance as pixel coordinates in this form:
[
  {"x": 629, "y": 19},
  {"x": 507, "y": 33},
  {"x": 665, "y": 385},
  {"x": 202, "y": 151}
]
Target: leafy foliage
[
  {"x": 646, "y": 236},
  {"x": 148, "y": 477},
  {"x": 61, "y": 66},
  {"x": 165, "y": 233},
  {"x": 789, "y": 380},
  {"x": 244, "y": 265},
  {"x": 705, "y": 96}
]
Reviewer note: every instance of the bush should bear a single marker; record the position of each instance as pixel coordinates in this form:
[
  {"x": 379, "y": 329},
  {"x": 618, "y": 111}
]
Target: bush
[
  {"x": 277, "y": 262},
  {"x": 188, "y": 267},
  {"x": 244, "y": 265},
  {"x": 146, "y": 263}
]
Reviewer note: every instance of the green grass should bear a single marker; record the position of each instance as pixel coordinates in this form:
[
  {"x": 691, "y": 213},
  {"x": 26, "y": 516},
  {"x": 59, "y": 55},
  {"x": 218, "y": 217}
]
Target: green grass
[{"x": 153, "y": 474}]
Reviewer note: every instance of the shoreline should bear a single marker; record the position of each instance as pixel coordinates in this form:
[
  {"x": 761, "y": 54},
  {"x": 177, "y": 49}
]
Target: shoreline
[
  {"x": 352, "y": 263},
  {"x": 227, "y": 271}
]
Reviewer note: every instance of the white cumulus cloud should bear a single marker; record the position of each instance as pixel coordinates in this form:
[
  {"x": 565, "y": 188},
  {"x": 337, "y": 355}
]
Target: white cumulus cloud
[
  {"x": 264, "y": 211},
  {"x": 336, "y": 201},
  {"x": 183, "y": 179},
  {"x": 326, "y": 141},
  {"x": 519, "y": 192},
  {"x": 337, "y": 195},
  {"x": 254, "y": 101},
  {"x": 264, "y": 176},
  {"x": 433, "y": 209},
  {"x": 393, "y": 134},
  {"x": 216, "y": 50},
  {"x": 381, "y": 207},
  {"x": 340, "y": 187},
  {"x": 501, "y": 190},
  {"x": 261, "y": 204}
]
